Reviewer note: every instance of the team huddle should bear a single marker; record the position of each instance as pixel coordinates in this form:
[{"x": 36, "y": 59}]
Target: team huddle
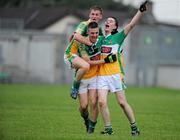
[{"x": 97, "y": 60}]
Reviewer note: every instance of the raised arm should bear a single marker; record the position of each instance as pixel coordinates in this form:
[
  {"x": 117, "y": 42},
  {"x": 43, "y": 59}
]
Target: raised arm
[{"x": 136, "y": 18}]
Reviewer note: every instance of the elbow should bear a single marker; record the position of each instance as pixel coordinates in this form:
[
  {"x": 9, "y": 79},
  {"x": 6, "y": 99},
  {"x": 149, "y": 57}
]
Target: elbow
[
  {"x": 75, "y": 36},
  {"x": 131, "y": 26}
]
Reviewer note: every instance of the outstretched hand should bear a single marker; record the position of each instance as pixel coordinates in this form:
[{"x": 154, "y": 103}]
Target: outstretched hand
[{"x": 143, "y": 7}]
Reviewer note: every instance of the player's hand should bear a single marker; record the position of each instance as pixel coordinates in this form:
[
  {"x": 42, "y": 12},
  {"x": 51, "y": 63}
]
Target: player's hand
[
  {"x": 143, "y": 7},
  {"x": 110, "y": 58}
]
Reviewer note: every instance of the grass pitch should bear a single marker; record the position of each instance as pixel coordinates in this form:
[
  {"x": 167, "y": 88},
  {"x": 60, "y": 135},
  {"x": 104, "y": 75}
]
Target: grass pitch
[{"x": 46, "y": 112}]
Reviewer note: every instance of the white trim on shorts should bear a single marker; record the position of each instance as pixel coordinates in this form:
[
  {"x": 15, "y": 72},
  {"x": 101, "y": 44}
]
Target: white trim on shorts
[
  {"x": 113, "y": 83},
  {"x": 87, "y": 84}
]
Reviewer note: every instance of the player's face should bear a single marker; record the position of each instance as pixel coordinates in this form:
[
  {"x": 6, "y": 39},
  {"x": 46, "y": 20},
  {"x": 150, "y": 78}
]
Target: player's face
[
  {"x": 95, "y": 15},
  {"x": 110, "y": 25},
  {"x": 93, "y": 34}
]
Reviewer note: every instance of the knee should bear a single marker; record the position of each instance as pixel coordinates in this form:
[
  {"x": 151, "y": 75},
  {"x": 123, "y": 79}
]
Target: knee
[
  {"x": 102, "y": 104},
  {"x": 83, "y": 106},
  {"x": 94, "y": 103}
]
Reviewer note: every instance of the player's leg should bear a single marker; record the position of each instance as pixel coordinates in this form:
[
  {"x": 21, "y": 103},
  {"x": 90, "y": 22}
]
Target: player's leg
[
  {"x": 102, "y": 100},
  {"x": 82, "y": 67},
  {"x": 93, "y": 103},
  {"x": 83, "y": 103},
  {"x": 121, "y": 98},
  {"x": 83, "y": 109}
]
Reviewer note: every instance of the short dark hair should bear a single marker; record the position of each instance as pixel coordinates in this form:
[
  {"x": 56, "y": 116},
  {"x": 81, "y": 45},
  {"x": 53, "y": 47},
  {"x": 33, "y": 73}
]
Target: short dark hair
[
  {"x": 95, "y": 7},
  {"x": 92, "y": 25}
]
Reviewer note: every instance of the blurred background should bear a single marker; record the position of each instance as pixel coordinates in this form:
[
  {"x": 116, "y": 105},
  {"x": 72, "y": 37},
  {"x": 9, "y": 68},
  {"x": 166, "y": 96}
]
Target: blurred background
[{"x": 35, "y": 33}]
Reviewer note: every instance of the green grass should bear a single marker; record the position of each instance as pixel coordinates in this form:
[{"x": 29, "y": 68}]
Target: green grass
[{"x": 46, "y": 112}]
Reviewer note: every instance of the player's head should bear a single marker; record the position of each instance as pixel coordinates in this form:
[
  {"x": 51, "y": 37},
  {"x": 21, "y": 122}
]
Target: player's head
[
  {"x": 93, "y": 31},
  {"x": 111, "y": 25},
  {"x": 95, "y": 13}
]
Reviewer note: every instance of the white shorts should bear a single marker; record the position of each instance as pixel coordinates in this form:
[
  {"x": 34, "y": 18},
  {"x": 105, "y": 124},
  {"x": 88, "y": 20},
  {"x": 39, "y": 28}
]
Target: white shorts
[
  {"x": 87, "y": 84},
  {"x": 69, "y": 63},
  {"x": 113, "y": 83}
]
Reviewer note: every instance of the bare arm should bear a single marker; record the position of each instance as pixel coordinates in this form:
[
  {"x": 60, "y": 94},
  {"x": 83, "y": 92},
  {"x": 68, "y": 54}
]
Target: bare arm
[
  {"x": 96, "y": 62},
  {"x": 93, "y": 62},
  {"x": 108, "y": 59},
  {"x": 82, "y": 39},
  {"x": 133, "y": 22},
  {"x": 136, "y": 18}
]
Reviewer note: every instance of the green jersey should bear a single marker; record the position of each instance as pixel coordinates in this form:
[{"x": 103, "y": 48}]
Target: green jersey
[
  {"x": 93, "y": 53},
  {"x": 112, "y": 44}
]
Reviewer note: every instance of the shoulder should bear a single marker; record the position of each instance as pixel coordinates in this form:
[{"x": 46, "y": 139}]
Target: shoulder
[
  {"x": 83, "y": 23},
  {"x": 82, "y": 28},
  {"x": 120, "y": 34},
  {"x": 100, "y": 37}
]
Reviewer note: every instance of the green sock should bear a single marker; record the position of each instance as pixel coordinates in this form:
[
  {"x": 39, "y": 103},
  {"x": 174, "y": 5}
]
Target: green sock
[
  {"x": 108, "y": 128},
  {"x": 92, "y": 124},
  {"x": 85, "y": 114},
  {"x": 76, "y": 84},
  {"x": 133, "y": 126}
]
